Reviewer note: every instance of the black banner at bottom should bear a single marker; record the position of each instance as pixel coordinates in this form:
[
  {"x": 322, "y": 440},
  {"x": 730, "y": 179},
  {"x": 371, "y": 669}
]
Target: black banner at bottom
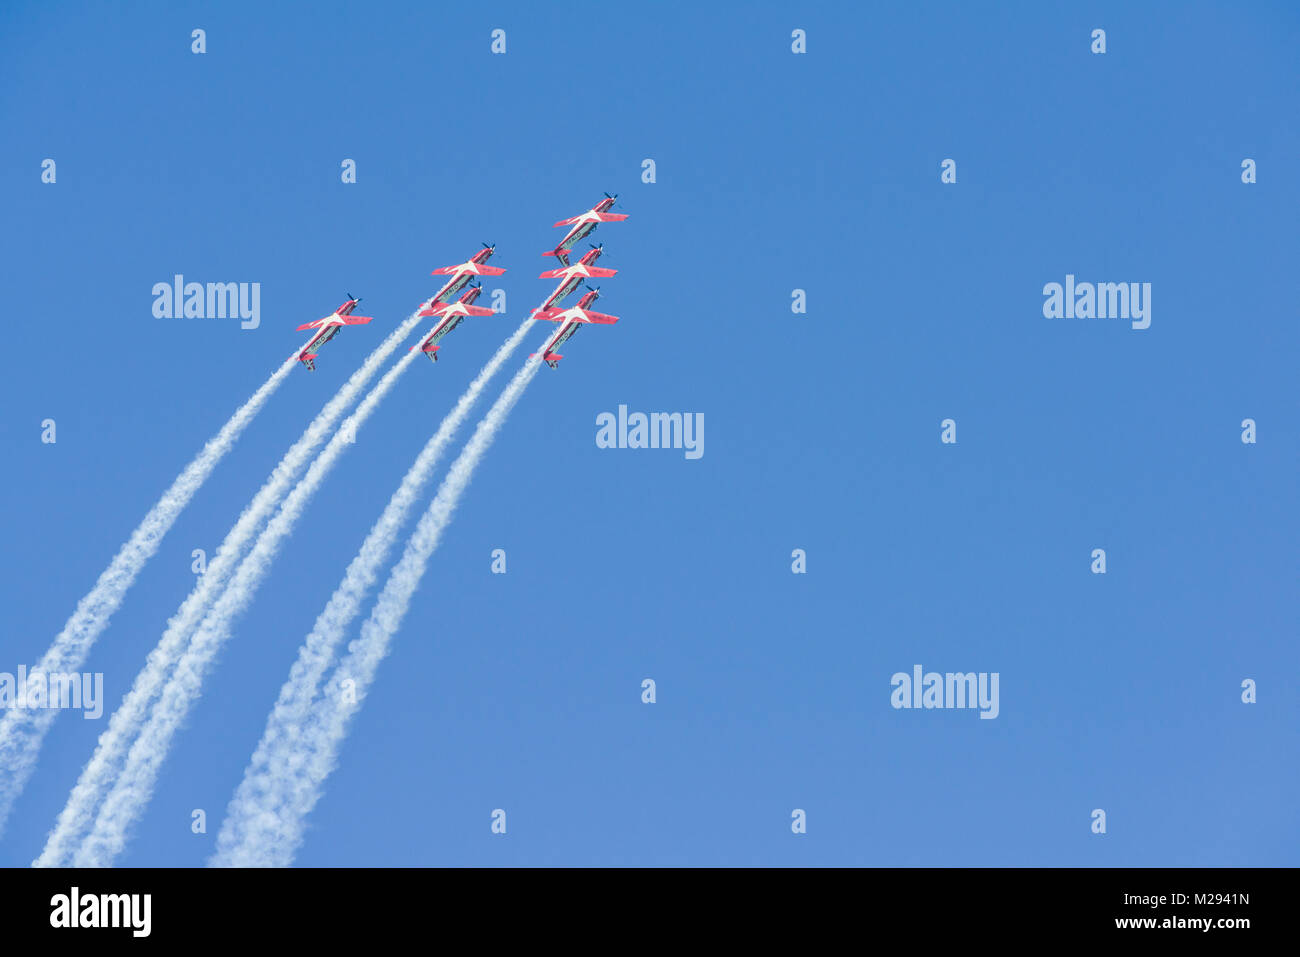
[{"x": 337, "y": 906}]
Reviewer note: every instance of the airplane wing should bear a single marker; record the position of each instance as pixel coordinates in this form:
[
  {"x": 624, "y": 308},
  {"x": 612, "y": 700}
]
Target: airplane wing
[
  {"x": 602, "y": 318},
  {"x": 591, "y": 270},
  {"x": 314, "y": 325},
  {"x": 478, "y": 269},
  {"x": 599, "y": 217},
  {"x": 357, "y": 320},
  {"x": 477, "y": 311},
  {"x": 550, "y": 315}
]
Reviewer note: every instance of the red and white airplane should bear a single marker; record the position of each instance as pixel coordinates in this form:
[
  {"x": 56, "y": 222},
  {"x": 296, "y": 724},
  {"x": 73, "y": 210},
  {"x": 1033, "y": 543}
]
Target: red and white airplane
[
  {"x": 461, "y": 274},
  {"x": 571, "y": 276},
  {"x": 582, "y": 225},
  {"x": 329, "y": 328},
  {"x": 570, "y": 321},
  {"x": 450, "y": 315}
]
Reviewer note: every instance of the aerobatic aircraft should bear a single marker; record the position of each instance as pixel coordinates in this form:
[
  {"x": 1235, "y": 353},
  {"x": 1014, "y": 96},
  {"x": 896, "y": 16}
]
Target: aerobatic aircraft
[
  {"x": 570, "y": 321},
  {"x": 462, "y": 273},
  {"x": 582, "y": 225},
  {"x": 327, "y": 329},
  {"x": 573, "y": 275},
  {"x": 450, "y": 315}
]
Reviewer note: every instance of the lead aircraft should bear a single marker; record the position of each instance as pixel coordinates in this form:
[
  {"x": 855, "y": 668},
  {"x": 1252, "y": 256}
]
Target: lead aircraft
[{"x": 583, "y": 224}]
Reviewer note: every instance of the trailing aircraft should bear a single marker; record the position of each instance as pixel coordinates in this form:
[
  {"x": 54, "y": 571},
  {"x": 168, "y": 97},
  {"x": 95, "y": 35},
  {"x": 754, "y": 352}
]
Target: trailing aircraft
[
  {"x": 327, "y": 328},
  {"x": 570, "y": 320}
]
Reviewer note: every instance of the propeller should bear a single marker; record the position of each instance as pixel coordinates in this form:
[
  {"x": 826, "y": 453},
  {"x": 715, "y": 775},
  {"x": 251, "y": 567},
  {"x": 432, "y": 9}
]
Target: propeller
[
  {"x": 614, "y": 197},
  {"x": 353, "y": 298},
  {"x": 490, "y": 246}
]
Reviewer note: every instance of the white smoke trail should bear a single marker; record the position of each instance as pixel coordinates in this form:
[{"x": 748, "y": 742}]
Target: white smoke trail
[
  {"x": 134, "y": 786},
  {"x": 22, "y": 731},
  {"x": 99, "y": 772},
  {"x": 251, "y": 835},
  {"x": 325, "y": 727}
]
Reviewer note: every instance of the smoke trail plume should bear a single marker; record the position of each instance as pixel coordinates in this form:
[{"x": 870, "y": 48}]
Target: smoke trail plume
[
  {"x": 134, "y": 786},
  {"x": 97, "y": 776},
  {"x": 279, "y": 829},
  {"x": 23, "y": 731},
  {"x": 250, "y": 835}
]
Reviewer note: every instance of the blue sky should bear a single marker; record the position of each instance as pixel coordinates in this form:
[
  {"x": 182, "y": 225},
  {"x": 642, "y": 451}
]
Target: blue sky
[{"x": 775, "y": 171}]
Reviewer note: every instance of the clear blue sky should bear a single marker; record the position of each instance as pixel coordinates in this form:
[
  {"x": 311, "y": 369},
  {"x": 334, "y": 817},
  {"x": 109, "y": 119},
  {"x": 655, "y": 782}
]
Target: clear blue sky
[{"x": 775, "y": 172}]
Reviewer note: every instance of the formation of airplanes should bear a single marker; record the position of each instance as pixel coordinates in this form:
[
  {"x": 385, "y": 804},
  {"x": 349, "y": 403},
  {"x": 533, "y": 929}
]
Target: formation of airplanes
[{"x": 450, "y": 311}]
